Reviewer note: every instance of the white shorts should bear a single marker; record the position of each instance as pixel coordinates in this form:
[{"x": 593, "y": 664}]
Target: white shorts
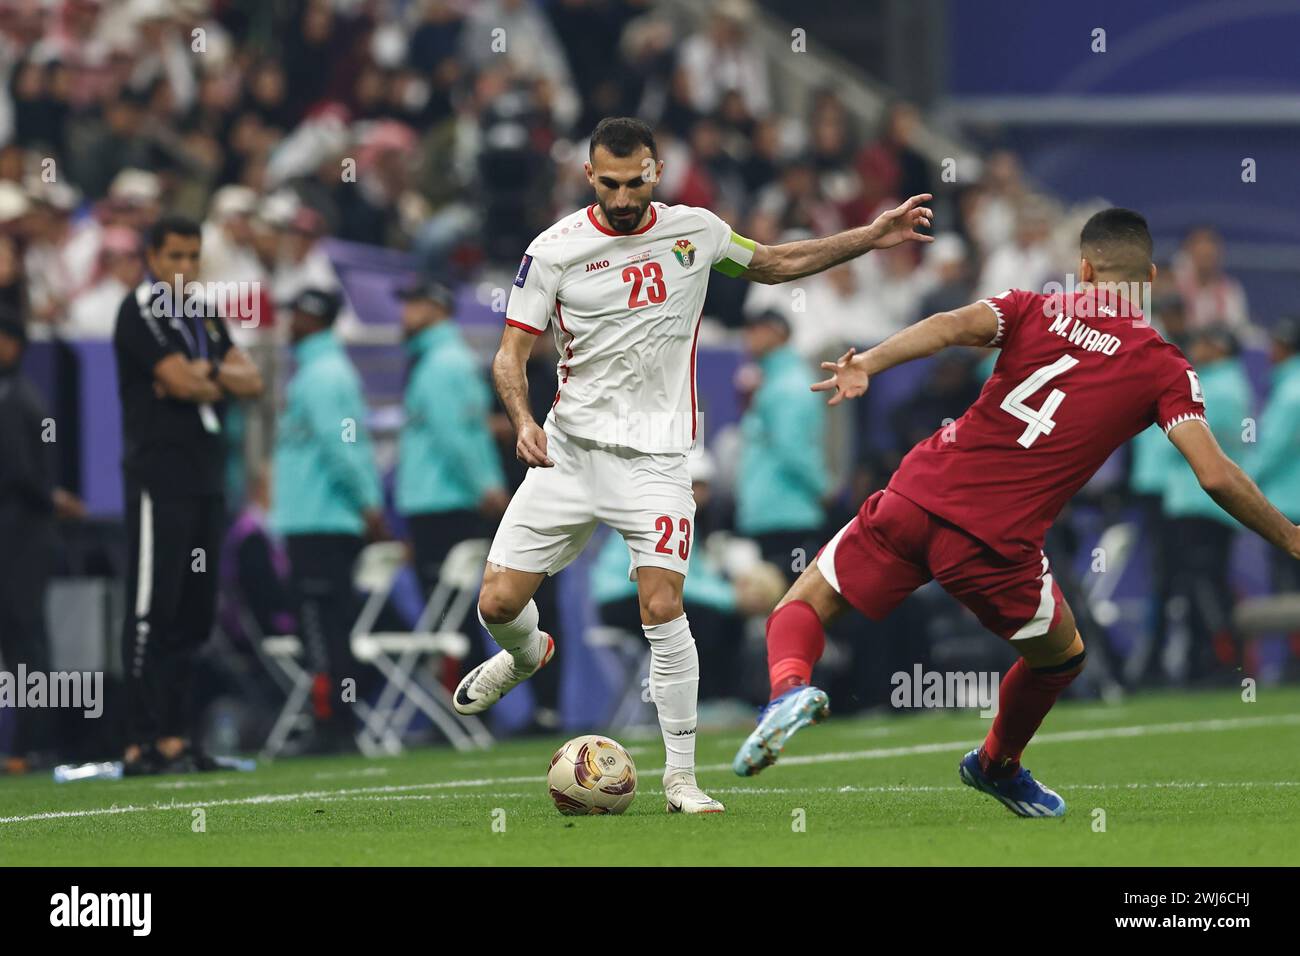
[{"x": 645, "y": 498}]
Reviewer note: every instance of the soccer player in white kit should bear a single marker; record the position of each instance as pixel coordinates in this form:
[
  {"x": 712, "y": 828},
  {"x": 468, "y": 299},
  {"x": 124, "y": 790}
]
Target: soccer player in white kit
[{"x": 622, "y": 284}]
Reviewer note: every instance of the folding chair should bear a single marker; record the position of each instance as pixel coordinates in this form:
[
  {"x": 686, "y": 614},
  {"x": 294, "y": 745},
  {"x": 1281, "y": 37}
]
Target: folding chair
[
  {"x": 282, "y": 654},
  {"x": 633, "y": 653},
  {"x": 1272, "y": 614},
  {"x": 399, "y": 655}
]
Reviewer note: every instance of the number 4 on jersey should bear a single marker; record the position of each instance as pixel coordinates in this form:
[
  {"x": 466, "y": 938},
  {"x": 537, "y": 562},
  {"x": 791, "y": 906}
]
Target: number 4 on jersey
[{"x": 1038, "y": 421}]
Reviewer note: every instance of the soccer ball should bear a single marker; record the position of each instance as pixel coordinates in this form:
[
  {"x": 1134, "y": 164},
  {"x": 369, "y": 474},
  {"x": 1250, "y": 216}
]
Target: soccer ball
[{"x": 591, "y": 774}]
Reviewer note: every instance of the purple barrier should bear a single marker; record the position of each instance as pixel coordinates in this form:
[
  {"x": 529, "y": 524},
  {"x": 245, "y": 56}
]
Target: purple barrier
[
  {"x": 888, "y": 391},
  {"x": 39, "y": 366},
  {"x": 715, "y": 372},
  {"x": 101, "y": 429},
  {"x": 383, "y": 372},
  {"x": 99, "y": 418},
  {"x": 370, "y": 275}
]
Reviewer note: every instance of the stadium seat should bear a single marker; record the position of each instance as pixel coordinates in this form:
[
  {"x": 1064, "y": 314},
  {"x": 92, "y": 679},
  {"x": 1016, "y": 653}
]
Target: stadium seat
[
  {"x": 400, "y": 656},
  {"x": 1268, "y": 614},
  {"x": 632, "y": 652},
  {"x": 282, "y": 655}
]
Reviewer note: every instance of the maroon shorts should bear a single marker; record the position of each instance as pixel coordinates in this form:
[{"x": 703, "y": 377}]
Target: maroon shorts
[{"x": 893, "y": 546}]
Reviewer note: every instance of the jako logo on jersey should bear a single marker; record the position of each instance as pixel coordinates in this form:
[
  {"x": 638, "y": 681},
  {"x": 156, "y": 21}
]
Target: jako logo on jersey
[
  {"x": 522, "y": 274},
  {"x": 593, "y": 266},
  {"x": 684, "y": 250}
]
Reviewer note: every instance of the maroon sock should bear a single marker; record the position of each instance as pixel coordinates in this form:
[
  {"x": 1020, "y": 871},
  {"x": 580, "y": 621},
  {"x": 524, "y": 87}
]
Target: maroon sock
[
  {"x": 795, "y": 641},
  {"x": 1025, "y": 697}
]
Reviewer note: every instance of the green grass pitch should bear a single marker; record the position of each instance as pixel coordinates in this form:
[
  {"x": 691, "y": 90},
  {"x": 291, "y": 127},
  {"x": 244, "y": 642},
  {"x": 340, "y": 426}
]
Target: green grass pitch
[{"x": 1180, "y": 779}]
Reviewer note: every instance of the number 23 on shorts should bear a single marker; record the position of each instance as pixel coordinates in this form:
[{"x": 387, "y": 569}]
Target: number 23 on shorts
[{"x": 664, "y": 525}]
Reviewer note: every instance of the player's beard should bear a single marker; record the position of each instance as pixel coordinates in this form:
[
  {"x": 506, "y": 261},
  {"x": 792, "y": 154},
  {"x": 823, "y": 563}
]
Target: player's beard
[{"x": 625, "y": 220}]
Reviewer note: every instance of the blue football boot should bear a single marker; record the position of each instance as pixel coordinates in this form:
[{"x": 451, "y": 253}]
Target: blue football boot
[
  {"x": 779, "y": 721},
  {"x": 1020, "y": 793}
]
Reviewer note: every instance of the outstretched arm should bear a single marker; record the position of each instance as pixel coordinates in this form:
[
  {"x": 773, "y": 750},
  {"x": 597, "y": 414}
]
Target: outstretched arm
[
  {"x": 794, "y": 260},
  {"x": 1228, "y": 485},
  {"x": 974, "y": 324}
]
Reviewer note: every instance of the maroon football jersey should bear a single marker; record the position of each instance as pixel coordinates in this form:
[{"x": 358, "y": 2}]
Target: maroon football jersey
[{"x": 1078, "y": 376}]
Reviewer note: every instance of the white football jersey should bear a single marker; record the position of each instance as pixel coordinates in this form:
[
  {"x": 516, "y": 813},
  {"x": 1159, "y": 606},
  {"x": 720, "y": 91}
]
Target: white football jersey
[{"x": 625, "y": 309}]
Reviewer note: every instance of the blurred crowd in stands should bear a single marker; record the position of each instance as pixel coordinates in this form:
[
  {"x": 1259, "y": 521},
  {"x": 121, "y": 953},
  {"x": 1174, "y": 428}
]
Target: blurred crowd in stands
[{"x": 456, "y": 129}]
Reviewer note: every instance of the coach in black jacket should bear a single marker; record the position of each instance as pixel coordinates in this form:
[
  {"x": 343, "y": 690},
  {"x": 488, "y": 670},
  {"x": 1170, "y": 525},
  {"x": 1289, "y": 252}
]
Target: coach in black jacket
[{"x": 176, "y": 367}]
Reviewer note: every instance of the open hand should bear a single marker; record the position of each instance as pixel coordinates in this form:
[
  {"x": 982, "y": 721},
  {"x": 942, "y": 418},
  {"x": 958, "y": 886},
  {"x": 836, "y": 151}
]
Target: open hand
[
  {"x": 898, "y": 225},
  {"x": 848, "y": 378}
]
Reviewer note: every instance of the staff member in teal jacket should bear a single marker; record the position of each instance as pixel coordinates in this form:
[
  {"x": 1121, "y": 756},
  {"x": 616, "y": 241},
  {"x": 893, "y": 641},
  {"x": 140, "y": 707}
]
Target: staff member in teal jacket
[
  {"x": 782, "y": 475},
  {"x": 326, "y": 494},
  {"x": 1200, "y": 532},
  {"x": 450, "y": 485},
  {"x": 1275, "y": 464}
]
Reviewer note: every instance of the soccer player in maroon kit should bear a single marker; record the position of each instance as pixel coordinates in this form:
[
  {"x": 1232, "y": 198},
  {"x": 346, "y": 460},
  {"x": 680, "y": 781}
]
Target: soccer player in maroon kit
[{"x": 1079, "y": 374}]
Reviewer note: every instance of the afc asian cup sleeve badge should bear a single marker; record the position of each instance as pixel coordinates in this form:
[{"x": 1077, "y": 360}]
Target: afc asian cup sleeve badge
[
  {"x": 522, "y": 274},
  {"x": 684, "y": 250}
]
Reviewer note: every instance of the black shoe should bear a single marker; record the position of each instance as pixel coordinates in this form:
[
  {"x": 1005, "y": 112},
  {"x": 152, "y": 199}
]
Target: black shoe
[
  {"x": 200, "y": 761},
  {"x": 194, "y": 759},
  {"x": 149, "y": 763}
]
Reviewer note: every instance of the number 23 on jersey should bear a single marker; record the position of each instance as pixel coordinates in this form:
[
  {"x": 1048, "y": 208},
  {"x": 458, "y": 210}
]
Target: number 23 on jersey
[{"x": 652, "y": 277}]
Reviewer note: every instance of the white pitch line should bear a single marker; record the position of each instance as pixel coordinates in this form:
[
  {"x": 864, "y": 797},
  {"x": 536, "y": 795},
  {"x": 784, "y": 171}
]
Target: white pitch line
[
  {"x": 191, "y": 784},
  {"x": 471, "y": 763},
  {"x": 921, "y": 788},
  {"x": 264, "y": 798},
  {"x": 363, "y": 772},
  {"x": 342, "y": 796},
  {"x": 495, "y": 795},
  {"x": 1140, "y": 730},
  {"x": 1063, "y": 736},
  {"x": 897, "y": 788}
]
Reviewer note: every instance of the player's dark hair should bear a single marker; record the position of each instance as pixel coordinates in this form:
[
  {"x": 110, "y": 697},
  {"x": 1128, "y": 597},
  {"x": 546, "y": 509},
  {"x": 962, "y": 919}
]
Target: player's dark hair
[
  {"x": 622, "y": 136},
  {"x": 1118, "y": 243},
  {"x": 172, "y": 225}
]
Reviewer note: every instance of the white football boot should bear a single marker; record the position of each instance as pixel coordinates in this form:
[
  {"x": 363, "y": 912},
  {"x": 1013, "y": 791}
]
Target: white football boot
[
  {"x": 493, "y": 679},
  {"x": 685, "y": 796}
]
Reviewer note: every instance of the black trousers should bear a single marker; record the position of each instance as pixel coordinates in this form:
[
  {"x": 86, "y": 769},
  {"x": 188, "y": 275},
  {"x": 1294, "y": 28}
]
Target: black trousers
[
  {"x": 174, "y": 546},
  {"x": 783, "y": 548},
  {"x": 328, "y": 605},
  {"x": 1158, "y": 529},
  {"x": 1199, "y": 549},
  {"x": 435, "y": 533},
  {"x": 25, "y": 558}
]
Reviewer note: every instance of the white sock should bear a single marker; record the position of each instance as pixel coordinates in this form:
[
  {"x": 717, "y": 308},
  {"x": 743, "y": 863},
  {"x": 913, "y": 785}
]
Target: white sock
[
  {"x": 674, "y": 687},
  {"x": 520, "y": 637}
]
